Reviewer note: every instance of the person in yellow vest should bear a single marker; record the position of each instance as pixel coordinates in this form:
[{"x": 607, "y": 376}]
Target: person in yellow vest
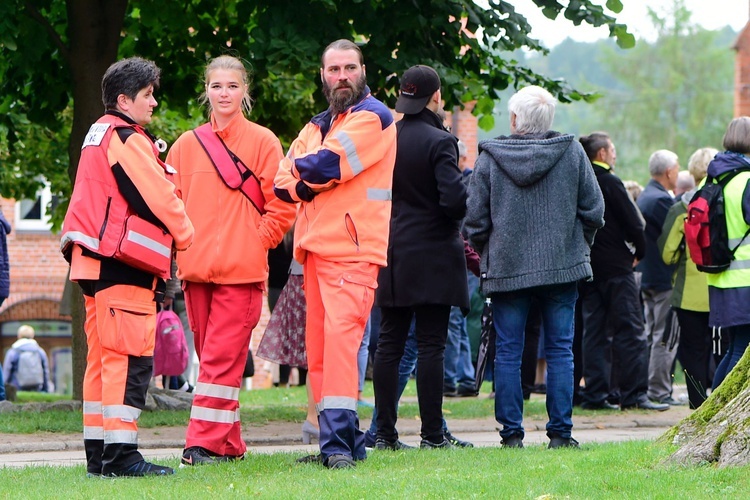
[
  {"x": 729, "y": 290},
  {"x": 689, "y": 289}
]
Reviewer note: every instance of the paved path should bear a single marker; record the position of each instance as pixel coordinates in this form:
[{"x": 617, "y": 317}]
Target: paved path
[{"x": 606, "y": 426}]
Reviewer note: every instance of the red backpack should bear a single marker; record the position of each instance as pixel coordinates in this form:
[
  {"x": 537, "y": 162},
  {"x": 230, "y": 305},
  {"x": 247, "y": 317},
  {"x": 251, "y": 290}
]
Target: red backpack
[
  {"x": 170, "y": 349},
  {"x": 706, "y": 227}
]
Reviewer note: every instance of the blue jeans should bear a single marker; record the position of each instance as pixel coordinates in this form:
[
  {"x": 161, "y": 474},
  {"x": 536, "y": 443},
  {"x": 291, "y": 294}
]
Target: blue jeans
[
  {"x": 510, "y": 309},
  {"x": 740, "y": 340},
  {"x": 362, "y": 355},
  {"x": 459, "y": 369}
]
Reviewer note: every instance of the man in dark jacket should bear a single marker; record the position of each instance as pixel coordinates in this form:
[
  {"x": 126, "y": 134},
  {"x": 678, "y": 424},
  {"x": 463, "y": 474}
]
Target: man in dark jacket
[
  {"x": 612, "y": 316},
  {"x": 532, "y": 213},
  {"x": 656, "y": 276},
  {"x": 426, "y": 272}
]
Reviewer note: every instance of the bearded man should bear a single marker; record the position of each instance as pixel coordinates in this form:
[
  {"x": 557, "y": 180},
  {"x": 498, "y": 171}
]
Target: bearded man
[{"x": 340, "y": 170}]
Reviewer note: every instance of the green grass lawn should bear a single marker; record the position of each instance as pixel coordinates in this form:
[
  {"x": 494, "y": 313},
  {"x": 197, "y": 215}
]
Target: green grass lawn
[{"x": 618, "y": 470}]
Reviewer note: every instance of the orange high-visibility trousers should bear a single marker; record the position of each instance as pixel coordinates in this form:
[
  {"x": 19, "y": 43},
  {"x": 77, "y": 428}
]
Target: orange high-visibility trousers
[
  {"x": 120, "y": 326},
  {"x": 339, "y": 298},
  {"x": 222, "y": 318}
]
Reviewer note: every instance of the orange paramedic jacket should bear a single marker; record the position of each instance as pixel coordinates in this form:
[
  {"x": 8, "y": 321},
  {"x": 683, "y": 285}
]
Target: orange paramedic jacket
[
  {"x": 231, "y": 237},
  {"x": 119, "y": 173},
  {"x": 341, "y": 169}
]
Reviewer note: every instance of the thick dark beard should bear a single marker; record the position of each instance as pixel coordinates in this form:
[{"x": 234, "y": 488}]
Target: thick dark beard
[{"x": 340, "y": 102}]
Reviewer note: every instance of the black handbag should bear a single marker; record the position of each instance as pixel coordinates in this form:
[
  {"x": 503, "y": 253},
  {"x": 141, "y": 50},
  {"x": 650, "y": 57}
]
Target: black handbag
[{"x": 249, "y": 365}]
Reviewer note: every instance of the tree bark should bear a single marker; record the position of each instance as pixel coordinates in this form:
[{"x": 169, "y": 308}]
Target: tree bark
[
  {"x": 719, "y": 431},
  {"x": 94, "y": 30}
]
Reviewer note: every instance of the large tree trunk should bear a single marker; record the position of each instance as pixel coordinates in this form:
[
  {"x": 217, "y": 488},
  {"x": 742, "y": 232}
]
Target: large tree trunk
[
  {"x": 94, "y": 29},
  {"x": 719, "y": 431}
]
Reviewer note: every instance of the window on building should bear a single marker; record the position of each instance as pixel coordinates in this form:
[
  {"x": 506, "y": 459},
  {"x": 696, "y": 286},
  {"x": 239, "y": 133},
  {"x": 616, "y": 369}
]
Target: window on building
[{"x": 33, "y": 215}]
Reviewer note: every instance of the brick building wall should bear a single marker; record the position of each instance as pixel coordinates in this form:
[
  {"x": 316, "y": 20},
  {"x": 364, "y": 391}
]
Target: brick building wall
[
  {"x": 742, "y": 73},
  {"x": 37, "y": 273}
]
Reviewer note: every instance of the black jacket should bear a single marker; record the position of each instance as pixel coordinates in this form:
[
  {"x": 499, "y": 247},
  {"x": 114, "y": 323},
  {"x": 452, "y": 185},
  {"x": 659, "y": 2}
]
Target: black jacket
[
  {"x": 610, "y": 255},
  {"x": 426, "y": 263}
]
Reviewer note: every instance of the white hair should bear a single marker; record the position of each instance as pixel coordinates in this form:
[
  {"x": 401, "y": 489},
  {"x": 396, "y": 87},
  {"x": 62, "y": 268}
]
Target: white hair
[
  {"x": 661, "y": 161},
  {"x": 534, "y": 108}
]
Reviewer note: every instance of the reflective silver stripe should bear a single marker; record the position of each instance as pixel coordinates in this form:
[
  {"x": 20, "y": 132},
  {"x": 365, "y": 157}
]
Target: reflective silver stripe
[
  {"x": 337, "y": 403},
  {"x": 123, "y": 412},
  {"x": 214, "y": 415},
  {"x": 92, "y": 407},
  {"x": 736, "y": 265},
  {"x": 147, "y": 242},
  {"x": 351, "y": 152},
  {"x": 736, "y": 241},
  {"x": 127, "y": 437},
  {"x": 217, "y": 391},
  {"x": 379, "y": 194},
  {"x": 79, "y": 237},
  {"x": 93, "y": 432}
]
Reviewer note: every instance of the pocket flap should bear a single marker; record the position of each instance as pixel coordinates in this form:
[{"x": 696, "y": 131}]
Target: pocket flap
[
  {"x": 361, "y": 279},
  {"x": 133, "y": 307}
]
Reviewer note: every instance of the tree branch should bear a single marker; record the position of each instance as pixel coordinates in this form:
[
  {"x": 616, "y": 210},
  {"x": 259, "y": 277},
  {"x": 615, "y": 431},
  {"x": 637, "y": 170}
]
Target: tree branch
[{"x": 37, "y": 16}]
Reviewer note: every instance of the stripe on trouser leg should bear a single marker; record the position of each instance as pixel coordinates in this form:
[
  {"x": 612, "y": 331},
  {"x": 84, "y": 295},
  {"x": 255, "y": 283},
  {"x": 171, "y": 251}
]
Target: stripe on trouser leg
[
  {"x": 93, "y": 432},
  {"x": 92, "y": 420},
  {"x": 217, "y": 391},
  {"x": 123, "y": 412},
  {"x": 92, "y": 407},
  {"x": 214, "y": 415},
  {"x": 120, "y": 437},
  {"x": 336, "y": 403}
]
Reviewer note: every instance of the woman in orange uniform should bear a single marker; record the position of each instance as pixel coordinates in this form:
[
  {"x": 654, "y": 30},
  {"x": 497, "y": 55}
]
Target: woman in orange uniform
[{"x": 224, "y": 271}]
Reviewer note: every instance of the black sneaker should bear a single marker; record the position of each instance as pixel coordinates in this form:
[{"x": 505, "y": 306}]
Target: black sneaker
[
  {"x": 466, "y": 392},
  {"x": 340, "y": 462},
  {"x": 513, "y": 441},
  {"x": 195, "y": 455},
  {"x": 228, "y": 458},
  {"x": 382, "y": 444},
  {"x": 311, "y": 459},
  {"x": 457, "y": 442},
  {"x": 449, "y": 392},
  {"x": 426, "y": 444},
  {"x": 142, "y": 468},
  {"x": 555, "y": 441}
]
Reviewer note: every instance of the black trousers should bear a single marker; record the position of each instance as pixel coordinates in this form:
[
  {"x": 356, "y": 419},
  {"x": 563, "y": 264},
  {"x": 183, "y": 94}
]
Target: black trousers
[
  {"x": 694, "y": 353},
  {"x": 431, "y": 332},
  {"x": 613, "y": 328}
]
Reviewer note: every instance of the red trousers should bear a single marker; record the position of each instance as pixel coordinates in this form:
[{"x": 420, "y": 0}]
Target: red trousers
[
  {"x": 222, "y": 318},
  {"x": 339, "y": 298}
]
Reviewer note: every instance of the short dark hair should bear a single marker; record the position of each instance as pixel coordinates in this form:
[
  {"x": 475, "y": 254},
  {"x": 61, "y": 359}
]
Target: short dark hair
[
  {"x": 128, "y": 76},
  {"x": 342, "y": 44},
  {"x": 593, "y": 142},
  {"x": 737, "y": 136}
]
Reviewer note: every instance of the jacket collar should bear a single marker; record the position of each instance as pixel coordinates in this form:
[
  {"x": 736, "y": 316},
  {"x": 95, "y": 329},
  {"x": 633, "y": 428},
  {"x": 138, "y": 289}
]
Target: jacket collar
[
  {"x": 427, "y": 116},
  {"x": 231, "y": 127}
]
